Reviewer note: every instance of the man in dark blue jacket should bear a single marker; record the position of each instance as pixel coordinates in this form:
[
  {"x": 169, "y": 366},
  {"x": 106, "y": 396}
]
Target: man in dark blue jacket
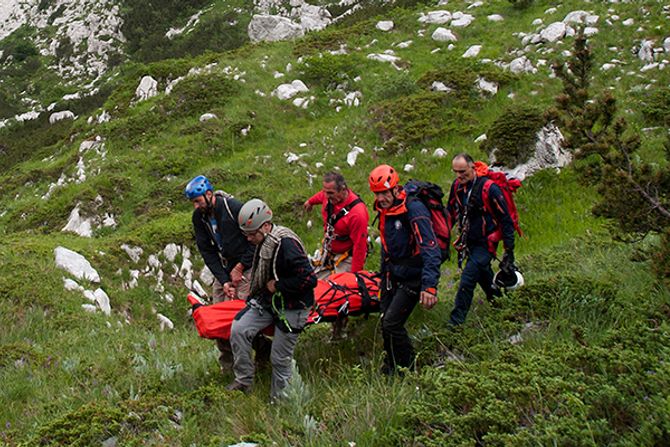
[
  {"x": 477, "y": 221},
  {"x": 410, "y": 263},
  {"x": 223, "y": 247}
]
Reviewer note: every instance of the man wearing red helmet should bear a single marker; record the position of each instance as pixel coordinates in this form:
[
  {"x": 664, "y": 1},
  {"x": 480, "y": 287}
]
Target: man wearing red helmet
[{"x": 410, "y": 263}]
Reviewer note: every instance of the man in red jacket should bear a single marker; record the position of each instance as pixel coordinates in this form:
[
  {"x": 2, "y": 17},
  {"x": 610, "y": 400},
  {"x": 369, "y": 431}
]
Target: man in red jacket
[{"x": 345, "y": 226}]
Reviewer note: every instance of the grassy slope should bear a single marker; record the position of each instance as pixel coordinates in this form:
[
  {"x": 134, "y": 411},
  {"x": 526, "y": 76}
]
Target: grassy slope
[{"x": 589, "y": 372}]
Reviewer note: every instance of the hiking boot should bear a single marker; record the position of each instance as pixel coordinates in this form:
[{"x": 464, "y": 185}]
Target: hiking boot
[{"x": 237, "y": 386}]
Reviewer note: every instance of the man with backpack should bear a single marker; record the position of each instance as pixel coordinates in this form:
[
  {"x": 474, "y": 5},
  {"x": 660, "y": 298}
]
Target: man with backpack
[
  {"x": 410, "y": 263},
  {"x": 282, "y": 293},
  {"x": 223, "y": 247},
  {"x": 345, "y": 224},
  {"x": 477, "y": 204}
]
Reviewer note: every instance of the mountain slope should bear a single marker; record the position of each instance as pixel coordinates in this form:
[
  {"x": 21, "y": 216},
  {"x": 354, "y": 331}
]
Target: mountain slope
[{"x": 579, "y": 356}]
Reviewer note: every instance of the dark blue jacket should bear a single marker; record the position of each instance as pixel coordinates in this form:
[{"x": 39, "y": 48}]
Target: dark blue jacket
[
  {"x": 409, "y": 247},
  {"x": 482, "y": 223},
  {"x": 234, "y": 246}
]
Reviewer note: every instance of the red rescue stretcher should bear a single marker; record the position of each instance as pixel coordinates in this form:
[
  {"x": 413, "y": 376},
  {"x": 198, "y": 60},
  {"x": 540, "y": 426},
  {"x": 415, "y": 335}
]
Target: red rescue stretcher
[{"x": 340, "y": 295}]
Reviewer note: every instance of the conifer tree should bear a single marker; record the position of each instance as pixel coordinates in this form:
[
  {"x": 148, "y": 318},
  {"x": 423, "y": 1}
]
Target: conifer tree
[{"x": 633, "y": 192}]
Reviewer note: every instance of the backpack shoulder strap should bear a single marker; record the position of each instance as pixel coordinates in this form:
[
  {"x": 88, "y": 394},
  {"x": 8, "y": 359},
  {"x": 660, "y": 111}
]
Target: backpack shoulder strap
[
  {"x": 334, "y": 218},
  {"x": 485, "y": 195},
  {"x": 225, "y": 197}
]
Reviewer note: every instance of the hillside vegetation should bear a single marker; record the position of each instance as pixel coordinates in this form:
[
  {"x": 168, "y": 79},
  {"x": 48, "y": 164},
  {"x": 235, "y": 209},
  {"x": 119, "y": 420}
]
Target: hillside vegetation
[{"x": 580, "y": 356}]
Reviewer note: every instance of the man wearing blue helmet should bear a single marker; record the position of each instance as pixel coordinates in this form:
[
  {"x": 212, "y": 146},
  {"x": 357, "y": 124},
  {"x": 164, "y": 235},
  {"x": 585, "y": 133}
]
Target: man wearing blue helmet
[{"x": 223, "y": 247}]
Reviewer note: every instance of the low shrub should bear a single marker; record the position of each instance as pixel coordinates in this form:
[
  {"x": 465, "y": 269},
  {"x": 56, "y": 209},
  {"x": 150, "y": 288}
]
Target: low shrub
[
  {"x": 395, "y": 85},
  {"x": 330, "y": 70},
  {"x": 413, "y": 120},
  {"x": 512, "y": 136},
  {"x": 656, "y": 106}
]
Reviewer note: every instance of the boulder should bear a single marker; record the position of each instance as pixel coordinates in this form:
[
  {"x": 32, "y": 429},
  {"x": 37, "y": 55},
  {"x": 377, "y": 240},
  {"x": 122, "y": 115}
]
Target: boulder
[
  {"x": 443, "y": 35},
  {"x": 666, "y": 44},
  {"x": 553, "y": 32},
  {"x": 473, "y": 51},
  {"x": 353, "y": 155},
  {"x": 495, "y": 18},
  {"x": 59, "y": 116},
  {"x": 435, "y": 17},
  {"x": 272, "y": 28},
  {"x": 207, "y": 116},
  {"x": 578, "y": 16},
  {"x": 148, "y": 88},
  {"x": 75, "y": 264},
  {"x": 521, "y": 65},
  {"x": 549, "y": 153},
  {"x": 486, "y": 86},
  {"x": 78, "y": 224},
  {"x": 646, "y": 51},
  {"x": 462, "y": 20},
  {"x": 384, "y": 25},
  {"x": 288, "y": 91}
]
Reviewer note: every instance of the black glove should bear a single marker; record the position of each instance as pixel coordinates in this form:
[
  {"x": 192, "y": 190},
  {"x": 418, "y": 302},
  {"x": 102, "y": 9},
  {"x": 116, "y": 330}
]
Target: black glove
[{"x": 507, "y": 263}]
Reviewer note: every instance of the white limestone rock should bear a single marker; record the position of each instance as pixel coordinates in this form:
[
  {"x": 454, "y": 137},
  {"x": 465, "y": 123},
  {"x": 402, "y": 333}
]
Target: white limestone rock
[
  {"x": 443, "y": 35},
  {"x": 273, "y": 28},
  {"x": 384, "y": 25},
  {"x": 408, "y": 167},
  {"x": 102, "y": 299},
  {"x": 353, "y": 155},
  {"x": 646, "y": 51},
  {"x": 207, "y": 116},
  {"x": 90, "y": 308},
  {"x": 148, "y": 88},
  {"x": 481, "y": 138},
  {"x": 435, "y": 17},
  {"x": 578, "y": 17},
  {"x": 75, "y": 264},
  {"x": 78, "y": 224},
  {"x": 554, "y": 32},
  {"x": 473, "y": 51},
  {"x": 628, "y": 22},
  {"x": 488, "y": 87},
  {"x": 133, "y": 253},
  {"x": 521, "y": 65},
  {"x": 384, "y": 57},
  {"x": 165, "y": 322},
  {"x": 590, "y": 31},
  {"x": 72, "y": 285},
  {"x": 495, "y": 18},
  {"x": 206, "y": 276},
  {"x": 460, "y": 20},
  {"x": 549, "y": 153},
  {"x": 666, "y": 44},
  {"x": 439, "y": 153},
  {"x": 288, "y": 91},
  {"x": 438, "y": 86},
  {"x": 59, "y": 116},
  {"x": 171, "y": 251}
]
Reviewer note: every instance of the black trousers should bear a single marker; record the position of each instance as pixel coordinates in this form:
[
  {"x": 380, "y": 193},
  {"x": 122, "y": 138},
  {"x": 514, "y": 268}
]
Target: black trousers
[{"x": 396, "y": 306}]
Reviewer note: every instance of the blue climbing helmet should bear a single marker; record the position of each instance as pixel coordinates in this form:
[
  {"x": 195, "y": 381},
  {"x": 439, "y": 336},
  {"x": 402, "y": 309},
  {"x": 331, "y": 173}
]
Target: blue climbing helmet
[{"x": 197, "y": 187}]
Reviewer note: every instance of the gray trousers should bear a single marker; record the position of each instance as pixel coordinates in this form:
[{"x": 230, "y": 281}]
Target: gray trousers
[{"x": 242, "y": 334}]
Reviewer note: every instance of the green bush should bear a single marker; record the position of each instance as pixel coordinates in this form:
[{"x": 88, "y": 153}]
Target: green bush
[
  {"x": 416, "y": 119},
  {"x": 330, "y": 70},
  {"x": 199, "y": 94},
  {"x": 512, "y": 136},
  {"x": 656, "y": 106},
  {"x": 397, "y": 84}
]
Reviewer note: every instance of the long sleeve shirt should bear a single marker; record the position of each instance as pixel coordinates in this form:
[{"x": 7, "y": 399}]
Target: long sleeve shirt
[
  {"x": 223, "y": 248},
  {"x": 351, "y": 231}
]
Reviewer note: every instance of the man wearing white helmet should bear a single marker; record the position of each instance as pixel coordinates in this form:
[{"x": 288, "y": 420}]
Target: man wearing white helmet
[{"x": 282, "y": 293}]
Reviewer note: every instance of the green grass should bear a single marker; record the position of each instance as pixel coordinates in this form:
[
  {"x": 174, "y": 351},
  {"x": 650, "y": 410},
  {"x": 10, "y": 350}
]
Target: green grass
[{"x": 591, "y": 368}]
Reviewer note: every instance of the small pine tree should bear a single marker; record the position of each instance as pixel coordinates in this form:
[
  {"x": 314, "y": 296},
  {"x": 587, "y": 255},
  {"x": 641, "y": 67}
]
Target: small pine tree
[{"x": 634, "y": 193}]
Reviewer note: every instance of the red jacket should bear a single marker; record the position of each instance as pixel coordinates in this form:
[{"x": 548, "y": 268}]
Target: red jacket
[{"x": 353, "y": 228}]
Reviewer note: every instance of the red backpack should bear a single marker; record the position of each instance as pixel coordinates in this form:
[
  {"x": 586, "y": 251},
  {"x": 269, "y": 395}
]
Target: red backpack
[
  {"x": 508, "y": 188},
  {"x": 431, "y": 196}
]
